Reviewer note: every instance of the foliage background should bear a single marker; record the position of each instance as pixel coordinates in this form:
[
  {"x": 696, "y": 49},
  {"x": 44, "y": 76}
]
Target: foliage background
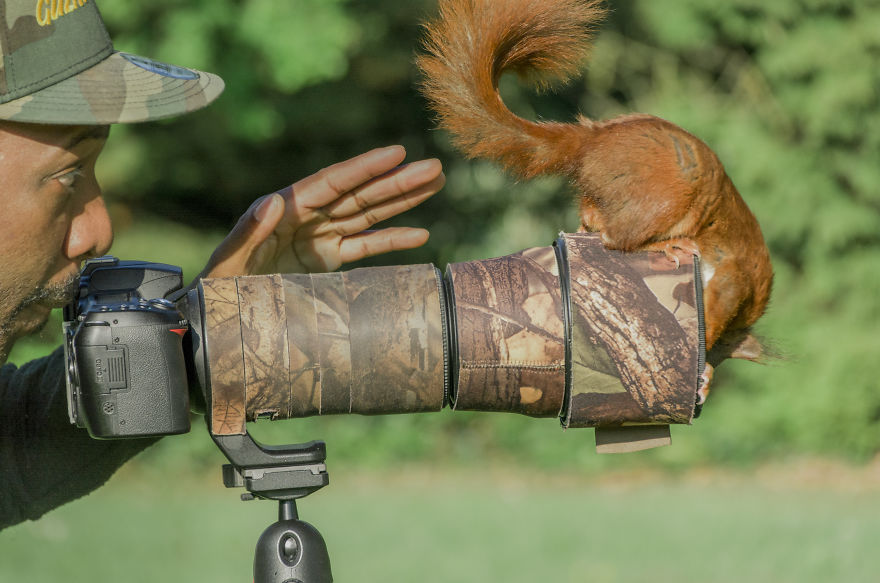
[{"x": 786, "y": 93}]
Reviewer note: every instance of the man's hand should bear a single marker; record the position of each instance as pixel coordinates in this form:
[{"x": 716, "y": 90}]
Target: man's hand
[{"x": 322, "y": 221}]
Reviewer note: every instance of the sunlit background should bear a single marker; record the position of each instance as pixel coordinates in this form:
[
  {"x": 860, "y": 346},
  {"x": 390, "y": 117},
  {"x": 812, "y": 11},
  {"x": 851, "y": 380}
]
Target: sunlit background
[{"x": 781, "y": 464}]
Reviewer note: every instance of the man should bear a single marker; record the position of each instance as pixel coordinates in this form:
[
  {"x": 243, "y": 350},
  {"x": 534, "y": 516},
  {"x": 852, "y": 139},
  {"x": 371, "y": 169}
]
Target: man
[{"x": 61, "y": 86}]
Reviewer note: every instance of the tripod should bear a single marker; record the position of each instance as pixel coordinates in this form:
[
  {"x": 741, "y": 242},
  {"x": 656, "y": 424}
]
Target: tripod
[{"x": 289, "y": 550}]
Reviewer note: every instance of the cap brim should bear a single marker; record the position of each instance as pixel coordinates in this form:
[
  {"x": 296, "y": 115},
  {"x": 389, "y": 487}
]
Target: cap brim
[{"x": 119, "y": 89}]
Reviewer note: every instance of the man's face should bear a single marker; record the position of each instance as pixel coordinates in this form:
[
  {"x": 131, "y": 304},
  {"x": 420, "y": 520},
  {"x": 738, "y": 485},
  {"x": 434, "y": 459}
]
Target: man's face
[{"x": 52, "y": 217}]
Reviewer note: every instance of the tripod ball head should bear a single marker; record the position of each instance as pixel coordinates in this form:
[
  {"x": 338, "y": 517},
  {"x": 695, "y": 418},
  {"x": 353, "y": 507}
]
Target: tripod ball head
[{"x": 291, "y": 551}]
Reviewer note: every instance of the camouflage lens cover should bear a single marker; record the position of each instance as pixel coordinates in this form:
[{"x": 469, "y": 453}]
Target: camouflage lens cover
[
  {"x": 636, "y": 336},
  {"x": 596, "y": 337},
  {"x": 365, "y": 341},
  {"x": 510, "y": 334}
]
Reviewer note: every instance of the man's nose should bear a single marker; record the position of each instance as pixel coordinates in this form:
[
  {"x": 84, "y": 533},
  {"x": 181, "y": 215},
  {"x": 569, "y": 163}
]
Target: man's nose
[{"x": 90, "y": 233}]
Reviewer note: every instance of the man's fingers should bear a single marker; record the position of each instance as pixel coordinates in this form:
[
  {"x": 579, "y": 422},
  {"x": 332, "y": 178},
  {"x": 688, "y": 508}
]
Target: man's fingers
[
  {"x": 326, "y": 185},
  {"x": 377, "y": 213},
  {"x": 369, "y": 243},
  {"x": 390, "y": 185}
]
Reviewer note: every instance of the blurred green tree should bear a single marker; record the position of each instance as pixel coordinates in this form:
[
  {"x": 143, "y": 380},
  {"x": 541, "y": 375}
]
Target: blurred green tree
[{"x": 786, "y": 92}]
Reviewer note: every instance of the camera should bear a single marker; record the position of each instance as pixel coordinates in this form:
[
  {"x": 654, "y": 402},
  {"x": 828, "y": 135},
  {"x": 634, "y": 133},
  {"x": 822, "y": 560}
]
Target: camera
[
  {"x": 590, "y": 336},
  {"x": 123, "y": 339}
]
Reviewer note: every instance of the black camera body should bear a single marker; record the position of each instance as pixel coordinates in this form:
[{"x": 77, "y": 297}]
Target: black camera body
[{"x": 126, "y": 368}]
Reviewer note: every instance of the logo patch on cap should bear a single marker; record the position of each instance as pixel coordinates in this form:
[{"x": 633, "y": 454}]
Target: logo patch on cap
[
  {"x": 163, "y": 69},
  {"x": 48, "y": 12}
]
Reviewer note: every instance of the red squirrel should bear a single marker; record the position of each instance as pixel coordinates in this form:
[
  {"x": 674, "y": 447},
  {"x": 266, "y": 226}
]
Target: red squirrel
[{"x": 643, "y": 182}]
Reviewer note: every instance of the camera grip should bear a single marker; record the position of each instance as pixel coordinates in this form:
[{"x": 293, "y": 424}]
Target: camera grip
[{"x": 131, "y": 381}]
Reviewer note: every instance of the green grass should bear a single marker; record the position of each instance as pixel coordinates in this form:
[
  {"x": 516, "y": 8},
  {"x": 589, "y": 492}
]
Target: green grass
[{"x": 800, "y": 523}]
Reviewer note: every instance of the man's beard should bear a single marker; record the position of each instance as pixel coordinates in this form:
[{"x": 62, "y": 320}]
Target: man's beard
[{"x": 52, "y": 295}]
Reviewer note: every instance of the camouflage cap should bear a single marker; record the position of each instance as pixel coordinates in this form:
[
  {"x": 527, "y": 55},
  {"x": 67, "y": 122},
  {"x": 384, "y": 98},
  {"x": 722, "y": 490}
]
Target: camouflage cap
[{"x": 59, "y": 67}]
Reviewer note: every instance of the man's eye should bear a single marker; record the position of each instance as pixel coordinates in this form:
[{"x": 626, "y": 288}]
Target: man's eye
[{"x": 68, "y": 179}]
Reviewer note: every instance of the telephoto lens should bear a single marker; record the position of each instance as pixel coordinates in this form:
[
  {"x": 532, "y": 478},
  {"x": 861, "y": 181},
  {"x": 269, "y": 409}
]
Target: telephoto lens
[{"x": 597, "y": 338}]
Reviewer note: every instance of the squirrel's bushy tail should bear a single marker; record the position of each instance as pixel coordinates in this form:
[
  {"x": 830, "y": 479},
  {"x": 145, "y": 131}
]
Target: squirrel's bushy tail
[{"x": 470, "y": 45}]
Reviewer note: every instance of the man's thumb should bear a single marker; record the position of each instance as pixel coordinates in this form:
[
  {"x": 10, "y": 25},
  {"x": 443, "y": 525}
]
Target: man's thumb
[{"x": 236, "y": 254}]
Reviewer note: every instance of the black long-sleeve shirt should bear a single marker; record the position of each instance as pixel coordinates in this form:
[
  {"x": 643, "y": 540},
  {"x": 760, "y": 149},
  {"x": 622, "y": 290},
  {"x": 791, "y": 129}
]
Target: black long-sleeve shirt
[{"x": 44, "y": 460}]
